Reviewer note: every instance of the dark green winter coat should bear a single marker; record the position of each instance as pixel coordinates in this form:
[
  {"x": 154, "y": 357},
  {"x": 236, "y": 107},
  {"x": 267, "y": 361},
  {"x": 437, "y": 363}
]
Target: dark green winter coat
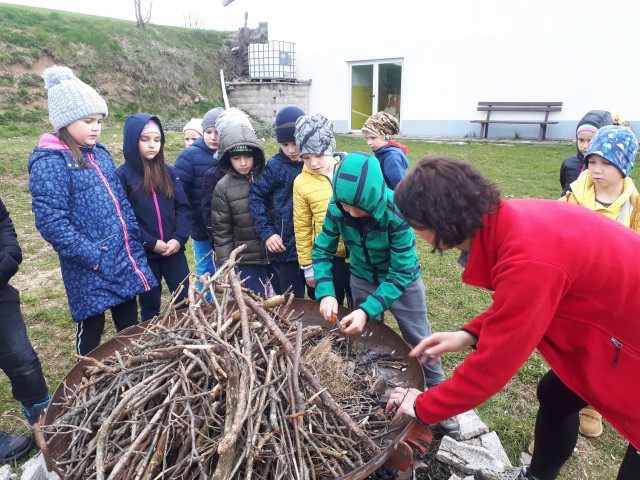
[{"x": 382, "y": 246}]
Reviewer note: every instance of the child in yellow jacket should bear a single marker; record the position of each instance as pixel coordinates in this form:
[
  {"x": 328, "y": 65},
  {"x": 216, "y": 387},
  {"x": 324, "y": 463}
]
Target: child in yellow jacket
[
  {"x": 311, "y": 194},
  {"x": 605, "y": 187}
]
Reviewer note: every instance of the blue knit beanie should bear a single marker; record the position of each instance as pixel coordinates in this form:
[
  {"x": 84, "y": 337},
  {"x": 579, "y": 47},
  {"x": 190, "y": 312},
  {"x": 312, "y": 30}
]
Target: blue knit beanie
[
  {"x": 617, "y": 145},
  {"x": 286, "y": 123},
  {"x": 69, "y": 98},
  {"x": 209, "y": 119}
]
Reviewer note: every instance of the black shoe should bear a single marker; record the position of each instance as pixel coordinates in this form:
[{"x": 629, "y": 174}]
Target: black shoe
[
  {"x": 450, "y": 427},
  {"x": 13, "y": 447}
]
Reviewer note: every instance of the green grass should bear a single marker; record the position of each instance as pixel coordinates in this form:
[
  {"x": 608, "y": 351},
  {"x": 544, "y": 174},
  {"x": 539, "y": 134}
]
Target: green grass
[{"x": 519, "y": 169}]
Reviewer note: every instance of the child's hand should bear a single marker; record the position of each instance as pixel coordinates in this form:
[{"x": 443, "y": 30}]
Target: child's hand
[
  {"x": 328, "y": 307},
  {"x": 274, "y": 244},
  {"x": 173, "y": 246},
  {"x": 354, "y": 322},
  {"x": 160, "y": 247},
  {"x": 311, "y": 282}
]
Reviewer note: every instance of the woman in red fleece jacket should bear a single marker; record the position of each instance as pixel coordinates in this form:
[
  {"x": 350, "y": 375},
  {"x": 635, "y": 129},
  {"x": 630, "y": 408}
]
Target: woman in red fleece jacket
[{"x": 578, "y": 307}]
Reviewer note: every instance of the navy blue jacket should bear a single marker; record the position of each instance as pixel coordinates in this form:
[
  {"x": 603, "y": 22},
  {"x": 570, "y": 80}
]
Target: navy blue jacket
[
  {"x": 274, "y": 190},
  {"x": 10, "y": 252},
  {"x": 393, "y": 162},
  {"x": 211, "y": 178},
  {"x": 85, "y": 215},
  {"x": 190, "y": 166},
  {"x": 159, "y": 217}
]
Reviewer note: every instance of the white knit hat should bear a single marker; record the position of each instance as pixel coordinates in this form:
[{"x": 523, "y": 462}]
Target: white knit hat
[
  {"x": 70, "y": 99},
  {"x": 193, "y": 124}
]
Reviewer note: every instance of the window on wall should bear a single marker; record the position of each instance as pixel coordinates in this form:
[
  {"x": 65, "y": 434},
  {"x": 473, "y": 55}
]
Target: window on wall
[{"x": 375, "y": 86}]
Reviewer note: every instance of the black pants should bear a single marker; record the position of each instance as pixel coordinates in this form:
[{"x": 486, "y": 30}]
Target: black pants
[
  {"x": 341, "y": 282},
  {"x": 288, "y": 276},
  {"x": 556, "y": 431},
  {"x": 18, "y": 359},
  {"x": 89, "y": 331},
  {"x": 174, "y": 269}
]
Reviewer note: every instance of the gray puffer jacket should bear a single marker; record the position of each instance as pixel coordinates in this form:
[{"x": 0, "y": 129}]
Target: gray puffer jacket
[{"x": 231, "y": 222}]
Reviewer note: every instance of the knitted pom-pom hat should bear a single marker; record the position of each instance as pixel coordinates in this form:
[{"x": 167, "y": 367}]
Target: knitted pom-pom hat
[{"x": 70, "y": 99}]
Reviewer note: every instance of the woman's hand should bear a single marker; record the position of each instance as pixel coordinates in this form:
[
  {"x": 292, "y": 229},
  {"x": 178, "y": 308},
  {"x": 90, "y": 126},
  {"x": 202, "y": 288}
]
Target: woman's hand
[
  {"x": 173, "y": 247},
  {"x": 432, "y": 347},
  {"x": 401, "y": 402}
]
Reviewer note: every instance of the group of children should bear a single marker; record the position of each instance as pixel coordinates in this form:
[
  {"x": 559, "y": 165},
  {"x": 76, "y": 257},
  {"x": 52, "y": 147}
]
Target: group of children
[{"x": 315, "y": 221}]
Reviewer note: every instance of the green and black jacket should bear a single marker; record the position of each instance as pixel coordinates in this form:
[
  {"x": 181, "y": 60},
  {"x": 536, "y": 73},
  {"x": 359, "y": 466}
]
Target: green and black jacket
[{"x": 382, "y": 246}]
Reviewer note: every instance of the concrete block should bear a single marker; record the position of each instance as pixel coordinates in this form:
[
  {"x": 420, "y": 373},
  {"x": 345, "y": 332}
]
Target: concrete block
[
  {"x": 491, "y": 442},
  {"x": 35, "y": 469},
  {"x": 6, "y": 473},
  {"x": 471, "y": 425},
  {"x": 467, "y": 458}
]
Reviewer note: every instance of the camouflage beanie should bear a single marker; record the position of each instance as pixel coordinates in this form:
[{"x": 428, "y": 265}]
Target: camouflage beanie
[
  {"x": 383, "y": 125},
  {"x": 314, "y": 134}
]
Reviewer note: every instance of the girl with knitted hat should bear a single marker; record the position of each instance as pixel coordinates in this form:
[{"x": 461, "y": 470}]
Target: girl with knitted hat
[
  {"x": 587, "y": 127},
  {"x": 377, "y": 131},
  {"x": 81, "y": 209},
  {"x": 161, "y": 207},
  {"x": 192, "y": 131}
]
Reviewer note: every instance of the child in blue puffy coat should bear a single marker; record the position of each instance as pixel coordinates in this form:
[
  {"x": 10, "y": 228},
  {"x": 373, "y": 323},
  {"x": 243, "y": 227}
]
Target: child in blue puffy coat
[{"x": 377, "y": 131}]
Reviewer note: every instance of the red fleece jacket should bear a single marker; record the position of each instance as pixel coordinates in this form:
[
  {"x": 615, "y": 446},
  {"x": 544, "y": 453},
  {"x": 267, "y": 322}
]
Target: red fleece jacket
[{"x": 580, "y": 307}]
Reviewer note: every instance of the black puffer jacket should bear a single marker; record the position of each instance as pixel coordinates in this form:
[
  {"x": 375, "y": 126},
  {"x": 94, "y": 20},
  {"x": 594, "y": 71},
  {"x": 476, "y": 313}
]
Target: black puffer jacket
[
  {"x": 231, "y": 221},
  {"x": 573, "y": 165},
  {"x": 10, "y": 253}
]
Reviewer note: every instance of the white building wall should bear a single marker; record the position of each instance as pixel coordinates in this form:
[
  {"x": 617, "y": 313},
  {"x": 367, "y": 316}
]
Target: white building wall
[{"x": 456, "y": 53}]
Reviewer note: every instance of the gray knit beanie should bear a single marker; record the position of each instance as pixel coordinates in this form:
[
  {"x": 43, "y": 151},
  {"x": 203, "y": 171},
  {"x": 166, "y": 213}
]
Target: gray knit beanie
[
  {"x": 209, "y": 119},
  {"x": 70, "y": 99},
  {"x": 314, "y": 134}
]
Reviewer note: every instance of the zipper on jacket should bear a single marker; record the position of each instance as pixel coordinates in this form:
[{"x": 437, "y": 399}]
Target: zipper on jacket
[
  {"x": 155, "y": 201},
  {"x": 618, "y": 346}
]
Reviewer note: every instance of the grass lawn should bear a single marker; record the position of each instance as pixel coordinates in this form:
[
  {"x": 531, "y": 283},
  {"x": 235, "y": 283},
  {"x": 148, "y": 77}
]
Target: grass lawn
[{"x": 520, "y": 169}]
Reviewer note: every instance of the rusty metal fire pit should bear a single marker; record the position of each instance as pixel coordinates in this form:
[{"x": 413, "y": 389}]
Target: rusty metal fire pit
[{"x": 397, "y": 445}]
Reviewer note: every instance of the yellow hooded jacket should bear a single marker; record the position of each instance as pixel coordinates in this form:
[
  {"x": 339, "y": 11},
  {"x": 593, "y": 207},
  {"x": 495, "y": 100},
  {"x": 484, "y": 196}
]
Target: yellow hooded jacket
[
  {"x": 583, "y": 193},
  {"x": 311, "y": 196}
]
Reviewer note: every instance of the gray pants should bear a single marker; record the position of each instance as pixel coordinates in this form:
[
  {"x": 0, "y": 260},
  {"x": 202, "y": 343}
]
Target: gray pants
[{"x": 410, "y": 311}]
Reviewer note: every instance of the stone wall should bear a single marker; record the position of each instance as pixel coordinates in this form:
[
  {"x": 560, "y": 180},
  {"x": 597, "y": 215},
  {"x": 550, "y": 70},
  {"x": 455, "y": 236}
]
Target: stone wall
[{"x": 262, "y": 100}]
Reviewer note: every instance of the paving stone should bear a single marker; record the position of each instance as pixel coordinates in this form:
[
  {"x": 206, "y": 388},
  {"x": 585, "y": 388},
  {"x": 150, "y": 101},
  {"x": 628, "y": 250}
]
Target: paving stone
[
  {"x": 471, "y": 425},
  {"x": 6, "y": 473},
  {"x": 467, "y": 458},
  {"x": 491, "y": 442}
]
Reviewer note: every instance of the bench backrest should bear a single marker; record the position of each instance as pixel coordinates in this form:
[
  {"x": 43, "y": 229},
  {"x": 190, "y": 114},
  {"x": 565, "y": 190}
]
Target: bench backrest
[{"x": 519, "y": 106}]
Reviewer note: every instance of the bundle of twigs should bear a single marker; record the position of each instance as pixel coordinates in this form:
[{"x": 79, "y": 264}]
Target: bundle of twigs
[{"x": 220, "y": 390}]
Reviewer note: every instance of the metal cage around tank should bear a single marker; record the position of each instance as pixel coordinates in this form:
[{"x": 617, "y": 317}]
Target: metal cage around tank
[{"x": 273, "y": 60}]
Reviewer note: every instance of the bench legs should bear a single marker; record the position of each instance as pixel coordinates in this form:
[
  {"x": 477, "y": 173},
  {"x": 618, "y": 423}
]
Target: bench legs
[
  {"x": 543, "y": 132},
  {"x": 484, "y": 130}
]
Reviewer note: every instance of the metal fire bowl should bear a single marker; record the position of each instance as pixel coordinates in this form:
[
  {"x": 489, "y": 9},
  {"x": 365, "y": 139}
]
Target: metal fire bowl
[{"x": 376, "y": 338}]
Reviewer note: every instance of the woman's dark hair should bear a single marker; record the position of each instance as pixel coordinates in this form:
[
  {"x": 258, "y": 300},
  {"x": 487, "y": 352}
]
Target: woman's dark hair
[
  {"x": 66, "y": 138},
  {"x": 156, "y": 176},
  {"x": 447, "y": 196}
]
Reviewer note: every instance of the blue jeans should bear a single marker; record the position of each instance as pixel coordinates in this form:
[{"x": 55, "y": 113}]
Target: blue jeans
[
  {"x": 18, "y": 359},
  {"x": 205, "y": 261},
  {"x": 260, "y": 274},
  {"x": 410, "y": 311}
]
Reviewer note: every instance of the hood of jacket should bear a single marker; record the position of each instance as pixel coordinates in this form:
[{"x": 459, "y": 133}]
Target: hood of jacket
[
  {"x": 584, "y": 192},
  {"x": 358, "y": 181},
  {"x": 233, "y": 136},
  {"x": 597, "y": 118},
  {"x": 133, "y": 126}
]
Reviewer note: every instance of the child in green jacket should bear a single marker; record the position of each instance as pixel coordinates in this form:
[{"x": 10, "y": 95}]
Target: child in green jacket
[{"x": 385, "y": 272}]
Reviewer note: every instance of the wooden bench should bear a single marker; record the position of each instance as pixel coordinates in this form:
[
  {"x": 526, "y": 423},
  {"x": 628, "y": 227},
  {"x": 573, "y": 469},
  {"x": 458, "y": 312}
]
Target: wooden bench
[{"x": 545, "y": 107}]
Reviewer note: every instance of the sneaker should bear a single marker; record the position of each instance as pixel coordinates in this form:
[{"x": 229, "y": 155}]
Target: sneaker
[
  {"x": 33, "y": 413},
  {"x": 590, "y": 422},
  {"x": 13, "y": 447},
  {"x": 518, "y": 473},
  {"x": 450, "y": 427}
]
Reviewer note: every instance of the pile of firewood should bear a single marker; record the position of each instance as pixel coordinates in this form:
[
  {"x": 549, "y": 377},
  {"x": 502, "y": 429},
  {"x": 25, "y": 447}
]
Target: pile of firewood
[{"x": 219, "y": 389}]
